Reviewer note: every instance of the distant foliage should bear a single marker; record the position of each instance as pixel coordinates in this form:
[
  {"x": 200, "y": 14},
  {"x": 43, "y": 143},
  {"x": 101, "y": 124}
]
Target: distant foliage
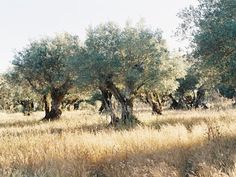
[
  {"x": 211, "y": 26},
  {"x": 12, "y": 94},
  {"x": 227, "y": 91}
]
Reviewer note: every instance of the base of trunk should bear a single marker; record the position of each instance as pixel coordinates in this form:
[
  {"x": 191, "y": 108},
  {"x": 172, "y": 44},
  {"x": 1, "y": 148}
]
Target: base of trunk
[
  {"x": 124, "y": 123},
  {"x": 53, "y": 115},
  {"x": 128, "y": 119},
  {"x": 131, "y": 122},
  {"x": 156, "y": 109},
  {"x": 115, "y": 121}
]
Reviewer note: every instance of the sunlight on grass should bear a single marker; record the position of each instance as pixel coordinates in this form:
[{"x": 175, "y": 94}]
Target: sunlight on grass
[{"x": 81, "y": 144}]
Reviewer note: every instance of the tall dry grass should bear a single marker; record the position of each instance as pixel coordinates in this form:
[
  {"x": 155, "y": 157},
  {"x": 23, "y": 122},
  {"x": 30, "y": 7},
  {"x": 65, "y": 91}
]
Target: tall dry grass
[{"x": 179, "y": 143}]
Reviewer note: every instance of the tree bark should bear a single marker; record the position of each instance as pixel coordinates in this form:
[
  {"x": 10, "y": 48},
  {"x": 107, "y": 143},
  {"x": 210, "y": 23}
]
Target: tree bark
[
  {"x": 46, "y": 105},
  {"x": 55, "y": 113},
  {"x": 174, "y": 104},
  {"x": 108, "y": 105},
  {"x": 127, "y": 116},
  {"x": 106, "y": 101},
  {"x": 57, "y": 95},
  {"x": 157, "y": 109},
  {"x": 200, "y": 98},
  {"x": 154, "y": 101}
]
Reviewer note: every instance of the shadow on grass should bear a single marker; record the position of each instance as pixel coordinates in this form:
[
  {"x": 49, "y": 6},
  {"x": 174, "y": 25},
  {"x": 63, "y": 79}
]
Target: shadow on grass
[
  {"x": 20, "y": 123},
  {"x": 157, "y": 124},
  {"x": 187, "y": 122},
  {"x": 35, "y": 127},
  {"x": 218, "y": 152},
  {"x": 94, "y": 129},
  {"x": 182, "y": 160},
  {"x": 197, "y": 159}
]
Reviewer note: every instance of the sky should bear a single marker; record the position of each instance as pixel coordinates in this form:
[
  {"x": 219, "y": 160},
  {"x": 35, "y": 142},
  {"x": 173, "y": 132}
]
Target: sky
[{"x": 24, "y": 20}]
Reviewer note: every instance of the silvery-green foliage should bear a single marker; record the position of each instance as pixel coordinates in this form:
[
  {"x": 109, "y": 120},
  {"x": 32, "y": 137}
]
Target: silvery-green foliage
[
  {"x": 133, "y": 57},
  {"x": 44, "y": 63},
  {"x": 12, "y": 92},
  {"x": 212, "y": 25}
]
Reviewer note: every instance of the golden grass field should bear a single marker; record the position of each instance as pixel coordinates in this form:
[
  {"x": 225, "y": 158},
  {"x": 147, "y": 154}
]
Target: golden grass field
[{"x": 178, "y": 143}]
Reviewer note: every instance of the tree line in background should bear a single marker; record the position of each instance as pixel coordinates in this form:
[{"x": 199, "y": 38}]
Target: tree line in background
[{"x": 128, "y": 64}]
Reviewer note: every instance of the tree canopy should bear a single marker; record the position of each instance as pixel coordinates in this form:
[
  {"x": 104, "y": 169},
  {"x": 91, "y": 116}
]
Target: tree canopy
[
  {"x": 44, "y": 65},
  {"x": 124, "y": 61},
  {"x": 212, "y": 28}
]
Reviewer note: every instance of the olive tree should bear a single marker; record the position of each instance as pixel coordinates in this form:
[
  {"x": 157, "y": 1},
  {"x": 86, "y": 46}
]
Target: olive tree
[
  {"x": 211, "y": 26},
  {"x": 122, "y": 61},
  {"x": 17, "y": 96},
  {"x": 172, "y": 70},
  {"x": 43, "y": 64}
]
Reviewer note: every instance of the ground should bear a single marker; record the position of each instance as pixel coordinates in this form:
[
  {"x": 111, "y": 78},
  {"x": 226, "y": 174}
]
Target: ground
[{"x": 178, "y": 143}]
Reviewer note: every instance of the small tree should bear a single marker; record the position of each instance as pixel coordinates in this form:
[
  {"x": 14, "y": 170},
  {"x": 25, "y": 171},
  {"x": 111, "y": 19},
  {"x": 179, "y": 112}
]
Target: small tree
[
  {"x": 172, "y": 69},
  {"x": 43, "y": 64},
  {"x": 13, "y": 94}
]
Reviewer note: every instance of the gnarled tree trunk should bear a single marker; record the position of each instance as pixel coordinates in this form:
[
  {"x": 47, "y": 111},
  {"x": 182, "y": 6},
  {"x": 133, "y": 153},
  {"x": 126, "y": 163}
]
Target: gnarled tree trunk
[
  {"x": 200, "y": 98},
  {"x": 107, "y": 103},
  {"x": 55, "y": 112},
  {"x": 57, "y": 95},
  {"x": 154, "y": 101},
  {"x": 157, "y": 105},
  {"x": 46, "y": 105},
  {"x": 175, "y": 104},
  {"x": 106, "y": 100},
  {"x": 127, "y": 116}
]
